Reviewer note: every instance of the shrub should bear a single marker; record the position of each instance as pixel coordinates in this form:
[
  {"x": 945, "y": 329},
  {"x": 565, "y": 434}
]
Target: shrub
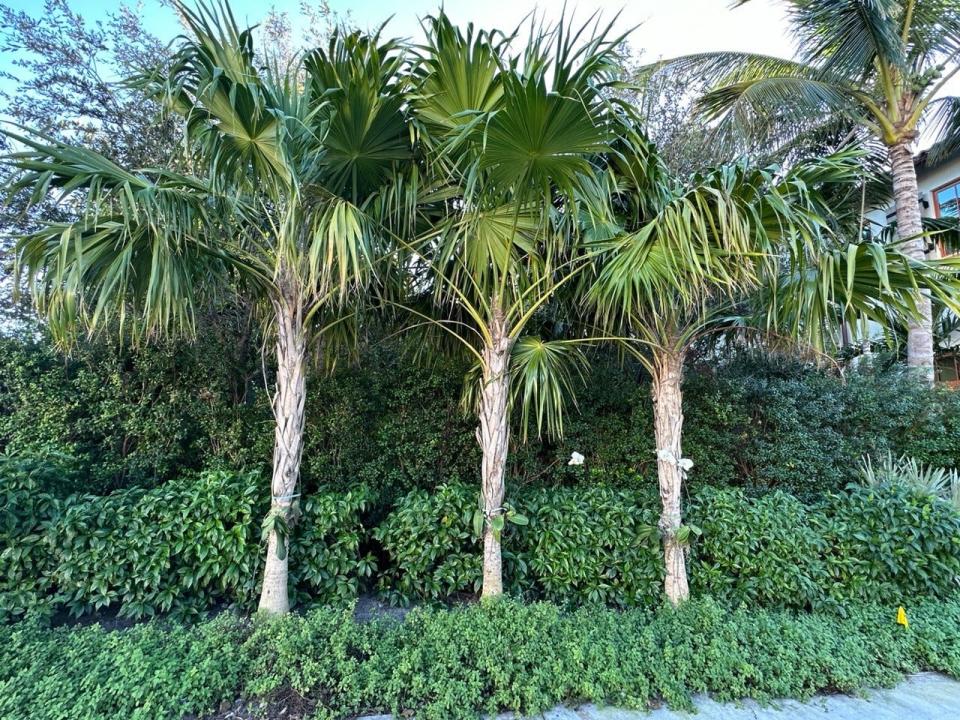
[
  {"x": 433, "y": 551},
  {"x": 765, "y": 423},
  {"x": 758, "y": 551},
  {"x": 327, "y": 565},
  {"x": 600, "y": 544},
  {"x": 754, "y": 421},
  {"x": 26, "y": 486},
  {"x": 866, "y": 544},
  {"x": 186, "y": 542},
  {"x": 129, "y": 417},
  {"x": 891, "y": 542},
  {"x": 183, "y": 546},
  {"x": 149, "y": 671},
  {"x": 594, "y": 545},
  {"x": 455, "y": 664}
]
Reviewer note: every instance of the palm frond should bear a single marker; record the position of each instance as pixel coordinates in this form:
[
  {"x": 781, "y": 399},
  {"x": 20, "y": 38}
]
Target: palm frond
[
  {"x": 544, "y": 379},
  {"x": 943, "y": 123},
  {"x": 143, "y": 247}
]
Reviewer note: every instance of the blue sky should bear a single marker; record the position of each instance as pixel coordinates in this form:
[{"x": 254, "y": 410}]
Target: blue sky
[
  {"x": 666, "y": 27},
  {"x": 660, "y": 28}
]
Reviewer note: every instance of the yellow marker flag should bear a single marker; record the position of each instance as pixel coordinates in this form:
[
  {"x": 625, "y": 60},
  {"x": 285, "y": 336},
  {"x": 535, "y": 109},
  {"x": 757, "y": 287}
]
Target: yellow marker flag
[{"x": 902, "y": 617}]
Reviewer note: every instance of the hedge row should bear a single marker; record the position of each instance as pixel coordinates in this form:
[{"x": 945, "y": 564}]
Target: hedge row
[
  {"x": 598, "y": 544},
  {"x": 455, "y": 664},
  {"x": 139, "y": 418},
  {"x": 183, "y": 546},
  {"x": 193, "y": 543}
]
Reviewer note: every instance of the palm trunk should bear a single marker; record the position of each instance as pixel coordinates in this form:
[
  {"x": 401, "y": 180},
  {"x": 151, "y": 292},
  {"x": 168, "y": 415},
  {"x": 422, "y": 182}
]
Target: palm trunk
[
  {"x": 494, "y": 436},
  {"x": 668, "y": 427},
  {"x": 909, "y": 225},
  {"x": 288, "y": 410}
]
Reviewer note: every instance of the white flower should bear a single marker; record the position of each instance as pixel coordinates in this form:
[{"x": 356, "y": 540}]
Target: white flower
[{"x": 576, "y": 459}]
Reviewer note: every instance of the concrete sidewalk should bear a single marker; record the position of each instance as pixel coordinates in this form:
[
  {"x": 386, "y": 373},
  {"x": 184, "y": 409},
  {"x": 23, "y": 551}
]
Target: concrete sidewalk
[{"x": 927, "y": 696}]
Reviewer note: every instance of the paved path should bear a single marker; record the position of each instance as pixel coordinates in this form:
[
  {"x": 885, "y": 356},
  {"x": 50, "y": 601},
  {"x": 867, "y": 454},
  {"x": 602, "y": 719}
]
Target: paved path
[{"x": 926, "y": 696}]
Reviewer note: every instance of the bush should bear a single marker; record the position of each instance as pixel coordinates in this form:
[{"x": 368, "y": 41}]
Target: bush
[
  {"x": 455, "y": 664},
  {"x": 757, "y": 551},
  {"x": 132, "y": 417},
  {"x": 600, "y": 544},
  {"x": 766, "y": 423},
  {"x": 866, "y": 544},
  {"x": 889, "y": 541},
  {"x": 759, "y": 422},
  {"x": 432, "y": 550},
  {"x": 28, "y": 492},
  {"x": 183, "y": 546},
  {"x": 146, "y": 672},
  {"x": 595, "y": 545}
]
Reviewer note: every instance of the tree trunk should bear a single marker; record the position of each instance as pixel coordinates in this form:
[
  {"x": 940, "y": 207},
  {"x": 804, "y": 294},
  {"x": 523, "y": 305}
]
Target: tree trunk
[
  {"x": 494, "y": 436},
  {"x": 909, "y": 225},
  {"x": 668, "y": 427},
  {"x": 288, "y": 410}
]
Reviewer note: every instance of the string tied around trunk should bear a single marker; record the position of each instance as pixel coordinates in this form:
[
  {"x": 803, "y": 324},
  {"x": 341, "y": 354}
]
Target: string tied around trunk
[
  {"x": 284, "y": 498},
  {"x": 682, "y": 463}
]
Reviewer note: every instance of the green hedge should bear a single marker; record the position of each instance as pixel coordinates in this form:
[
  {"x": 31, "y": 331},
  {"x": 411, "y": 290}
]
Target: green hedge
[
  {"x": 599, "y": 544},
  {"x": 183, "y": 546},
  {"x": 195, "y": 542},
  {"x": 455, "y": 664},
  {"x": 138, "y": 417}
]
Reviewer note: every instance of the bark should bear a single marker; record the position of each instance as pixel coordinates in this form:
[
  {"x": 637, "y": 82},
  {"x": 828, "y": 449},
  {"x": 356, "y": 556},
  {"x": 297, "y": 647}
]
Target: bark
[
  {"x": 288, "y": 409},
  {"x": 668, "y": 427},
  {"x": 494, "y": 437},
  {"x": 909, "y": 225}
]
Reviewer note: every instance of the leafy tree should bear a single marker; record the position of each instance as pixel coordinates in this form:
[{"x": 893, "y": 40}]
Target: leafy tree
[
  {"x": 736, "y": 246},
  {"x": 883, "y": 64},
  {"x": 288, "y": 190}
]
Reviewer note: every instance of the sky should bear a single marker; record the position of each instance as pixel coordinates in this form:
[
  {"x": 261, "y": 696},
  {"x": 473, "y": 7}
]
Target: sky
[
  {"x": 657, "y": 28},
  {"x": 664, "y": 28}
]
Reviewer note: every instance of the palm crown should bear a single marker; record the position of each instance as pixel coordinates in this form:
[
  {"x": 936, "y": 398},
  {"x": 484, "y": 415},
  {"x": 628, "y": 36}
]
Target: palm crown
[{"x": 880, "y": 64}]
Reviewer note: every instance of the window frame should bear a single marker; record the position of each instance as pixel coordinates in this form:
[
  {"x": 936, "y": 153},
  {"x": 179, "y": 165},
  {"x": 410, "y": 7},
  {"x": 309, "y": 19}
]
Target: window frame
[{"x": 936, "y": 202}]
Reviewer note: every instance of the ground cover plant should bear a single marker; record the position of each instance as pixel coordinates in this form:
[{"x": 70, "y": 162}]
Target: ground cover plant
[{"x": 447, "y": 664}]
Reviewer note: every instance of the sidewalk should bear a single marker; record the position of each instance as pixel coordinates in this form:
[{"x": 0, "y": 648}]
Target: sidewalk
[{"x": 926, "y": 696}]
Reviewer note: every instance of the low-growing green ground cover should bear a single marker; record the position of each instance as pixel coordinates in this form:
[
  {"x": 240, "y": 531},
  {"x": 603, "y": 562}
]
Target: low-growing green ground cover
[{"x": 457, "y": 663}]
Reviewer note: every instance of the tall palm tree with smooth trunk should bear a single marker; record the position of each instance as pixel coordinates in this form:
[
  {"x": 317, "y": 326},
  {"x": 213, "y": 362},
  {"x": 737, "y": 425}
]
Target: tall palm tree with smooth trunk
[
  {"x": 510, "y": 139},
  {"x": 292, "y": 197},
  {"x": 733, "y": 247},
  {"x": 883, "y": 64}
]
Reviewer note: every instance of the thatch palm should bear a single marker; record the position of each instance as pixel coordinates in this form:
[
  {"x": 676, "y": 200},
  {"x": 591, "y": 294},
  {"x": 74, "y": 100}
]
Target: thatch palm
[
  {"x": 733, "y": 247},
  {"x": 289, "y": 199},
  {"x": 509, "y": 143},
  {"x": 881, "y": 63}
]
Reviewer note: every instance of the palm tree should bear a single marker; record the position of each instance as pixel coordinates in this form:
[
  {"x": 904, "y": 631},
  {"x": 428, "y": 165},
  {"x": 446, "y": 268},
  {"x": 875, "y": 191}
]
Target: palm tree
[
  {"x": 737, "y": 246},
  {"x": 508, "y": 185},
  {"x": 293, "y": 186},
  {"x": 880, "y": 63}
]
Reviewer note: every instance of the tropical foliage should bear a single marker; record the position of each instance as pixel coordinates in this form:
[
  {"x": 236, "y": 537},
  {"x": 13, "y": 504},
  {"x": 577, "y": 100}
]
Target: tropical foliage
[
  {"x": 881, "y": 66},
  {"x": 451, "y": 664},
  {"x": 494, "y": 198}
]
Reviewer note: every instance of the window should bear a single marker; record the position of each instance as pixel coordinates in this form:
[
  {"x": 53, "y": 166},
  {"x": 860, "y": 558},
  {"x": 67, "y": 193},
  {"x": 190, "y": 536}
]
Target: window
[{"x": 947, "y": 200}]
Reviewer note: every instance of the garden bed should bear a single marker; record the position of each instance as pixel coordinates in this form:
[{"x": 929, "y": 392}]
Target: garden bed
[{"x": 444, "y": 664}]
